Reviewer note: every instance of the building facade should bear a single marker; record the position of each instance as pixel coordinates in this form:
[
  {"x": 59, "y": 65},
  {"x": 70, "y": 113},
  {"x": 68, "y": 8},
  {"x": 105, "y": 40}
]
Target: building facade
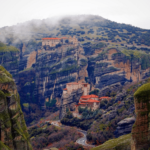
[
  {"x": 70, "y": 87},
  {"x": 52, "y": 42},
  {"x": 90, "y": 101}
]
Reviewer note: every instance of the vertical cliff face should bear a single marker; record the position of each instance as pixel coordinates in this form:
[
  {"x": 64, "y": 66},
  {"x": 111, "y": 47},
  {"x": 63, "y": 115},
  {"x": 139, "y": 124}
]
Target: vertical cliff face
[
  {"x": 141, "y": 128},
  {"x": 115, "y": 67},
  {"x": 13, "y": 130},
  {"x": 9, "y": 58},
  {"x": 56, "y": 67},
  {"x": 69, "y": 101}
]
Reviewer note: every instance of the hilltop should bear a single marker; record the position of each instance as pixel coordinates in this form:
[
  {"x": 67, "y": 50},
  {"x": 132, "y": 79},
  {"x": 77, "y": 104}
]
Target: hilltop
[{"x": 85, "y": 27}]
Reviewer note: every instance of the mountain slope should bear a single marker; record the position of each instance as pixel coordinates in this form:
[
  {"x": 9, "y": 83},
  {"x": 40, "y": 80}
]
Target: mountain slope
[{"x": 86, "y": 27}]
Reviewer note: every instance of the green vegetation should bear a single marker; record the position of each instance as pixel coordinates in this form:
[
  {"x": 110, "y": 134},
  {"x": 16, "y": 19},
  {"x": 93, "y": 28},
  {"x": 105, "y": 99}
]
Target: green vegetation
[
  {"x": 65, "y": 70},
  {"x": 70, "y": 51},
  {"x": 3, "y": 146},
  {"x": 99, "y": 45},
  {"x": 83, "y": 62},
  {"x": 135, "y": 53},
  {"x": 65, "y": 80},
  {"x": 5, "y": 48},
  {"x": 101, "y": 56},
  {"x": 143, "y": 93},
  {"x": 27, "y": 69},
  {"x": 136, "y": 56},
  {"x": 51, "y": 103},
  {"x": 121, "y": 143},
  {"x": 53, "y": 136},
  {"x": 145, "y": 61},
  {"x": 99, "y": 131},
  {"x": 2, "y": 95},
  {"x": 90, "y": 47},
  {"x": 5, "y": 79},
  {"x": 27, "y": 83},
  {"x": 2, "y": 69},
  {"x": 87, "y": 118},
  {"x": 95, "y": 92},
  {"x": 26, "y": 105}
]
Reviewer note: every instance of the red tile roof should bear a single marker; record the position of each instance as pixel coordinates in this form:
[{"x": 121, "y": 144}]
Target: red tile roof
[
  {"x": 89, "y": 96},
  {"x": 50, "y": 38},
  {"x": 81, "y": 103},
  {"x": 90, "y": 101},
  {"x": 92, "y": 95}
]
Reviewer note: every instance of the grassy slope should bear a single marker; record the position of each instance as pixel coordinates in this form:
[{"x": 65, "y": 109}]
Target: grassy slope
[
  {"x": 3, "y": 146},
  {"x": 143, "y": 90},
  {"x": 5, "y": 48},
  {"x": 121, "y": 143}
]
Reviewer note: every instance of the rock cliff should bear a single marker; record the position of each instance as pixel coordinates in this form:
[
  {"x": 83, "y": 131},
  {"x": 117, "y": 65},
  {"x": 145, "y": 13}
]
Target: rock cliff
[
  {"x": 140, "y": 130},
  {"x": 114, "y": 67},
  {"x": 69, "y": 101},
  {"x": 13, "y": 130},
  {"x": 124, "y": 126}
]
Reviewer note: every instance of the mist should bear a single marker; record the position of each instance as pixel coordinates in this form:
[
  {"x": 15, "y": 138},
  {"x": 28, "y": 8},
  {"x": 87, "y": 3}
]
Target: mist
[{"x": 37, "y": 29}]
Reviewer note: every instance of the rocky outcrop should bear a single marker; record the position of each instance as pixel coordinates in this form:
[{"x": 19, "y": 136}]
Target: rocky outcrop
[
  {"x": 69, "y": 101},
  {"x": 31, "y": 59},
  {"x": 124, "y": 126},
  {"x": 112, "y": 68},
  {"x": 141, "y": 128},
  {"x": 13, "y": 130}
]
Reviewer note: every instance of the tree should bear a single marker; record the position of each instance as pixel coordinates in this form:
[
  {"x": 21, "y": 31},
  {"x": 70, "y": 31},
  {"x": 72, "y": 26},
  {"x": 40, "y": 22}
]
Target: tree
[
  {"x": 95, "y": 92},
  {"x": 51, "y": 103},
  {"x": 67, "y": 109}
]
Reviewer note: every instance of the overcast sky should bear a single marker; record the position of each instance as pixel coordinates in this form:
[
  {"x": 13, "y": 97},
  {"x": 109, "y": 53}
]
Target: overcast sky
[{"x": 134, "y": 12}]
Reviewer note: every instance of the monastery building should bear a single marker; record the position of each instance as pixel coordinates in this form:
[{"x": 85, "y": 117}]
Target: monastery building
[
  {"x": 52, "y": 42},
  {"x": 86, "y": 100},
  {"x": 70, "y": 87},
  {"x": 90, "y": 101}
]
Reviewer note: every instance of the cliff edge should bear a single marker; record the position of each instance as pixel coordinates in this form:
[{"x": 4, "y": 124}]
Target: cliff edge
[
  {"x": 141, "y": 128},
  {"x": 13, "y": 130}
]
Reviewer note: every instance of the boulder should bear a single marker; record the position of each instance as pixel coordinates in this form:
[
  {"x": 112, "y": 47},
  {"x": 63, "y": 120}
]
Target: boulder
[{"x": 124, "y": 126}]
